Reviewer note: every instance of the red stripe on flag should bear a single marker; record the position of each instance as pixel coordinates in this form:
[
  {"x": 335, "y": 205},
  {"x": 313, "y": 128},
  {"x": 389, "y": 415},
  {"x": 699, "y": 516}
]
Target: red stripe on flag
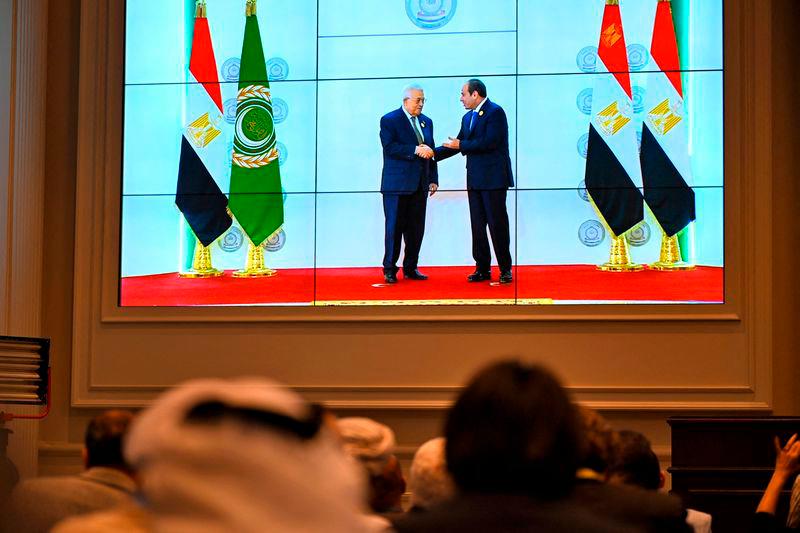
[
  {"x": 202, "y": 63},
  {"x": 664, "y": 48},
  {"x": 612, "y": 47}
]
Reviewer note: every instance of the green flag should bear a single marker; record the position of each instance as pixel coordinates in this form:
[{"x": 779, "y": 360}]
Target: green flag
[{"x": 256, "y": 199}]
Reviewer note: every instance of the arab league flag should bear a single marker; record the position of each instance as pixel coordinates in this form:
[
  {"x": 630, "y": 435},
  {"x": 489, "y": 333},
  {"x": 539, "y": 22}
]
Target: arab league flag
[
  {"x": 203, "y": 146},
  {"x": 613, "y": 175},
  {"x": 666, "y": 170},
  {"x": 256, "y": 199}
]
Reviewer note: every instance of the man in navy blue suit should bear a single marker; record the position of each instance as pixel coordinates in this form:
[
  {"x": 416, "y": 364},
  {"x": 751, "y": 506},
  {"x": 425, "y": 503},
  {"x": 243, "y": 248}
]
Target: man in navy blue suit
[
  {"x": 484, "y": 140},
  {"x": 409, "y": 175}
]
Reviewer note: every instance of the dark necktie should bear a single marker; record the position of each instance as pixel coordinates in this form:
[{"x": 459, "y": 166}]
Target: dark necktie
[
  {"x": 472, "y": 120},
  {"x": 416, "y": 130}
]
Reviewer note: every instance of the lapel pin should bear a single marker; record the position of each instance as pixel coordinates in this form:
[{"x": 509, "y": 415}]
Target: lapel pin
[
  {"x": 480, "y": 113},
  {"x": 423, "y": 124}
]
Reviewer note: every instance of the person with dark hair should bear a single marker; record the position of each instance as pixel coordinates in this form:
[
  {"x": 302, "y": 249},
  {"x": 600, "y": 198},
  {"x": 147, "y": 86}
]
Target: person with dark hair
[
  {"x": 636, "y": 464},
  {"x": 512, "y": 447},
  {"x": 632, "y": 506},
  {"x": 39, "y": 504},
  {"x": 483, "y": 139}
]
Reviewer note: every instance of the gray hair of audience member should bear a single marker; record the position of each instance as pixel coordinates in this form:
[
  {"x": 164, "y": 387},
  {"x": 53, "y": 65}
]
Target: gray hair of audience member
[
  {"x": 408, "y": 89},
  {"x": 241, "y": 455},
  {"x": 429, "y": 481},
  {"x": 104, "y": 437},
  {"x": 371, "y": 442}
]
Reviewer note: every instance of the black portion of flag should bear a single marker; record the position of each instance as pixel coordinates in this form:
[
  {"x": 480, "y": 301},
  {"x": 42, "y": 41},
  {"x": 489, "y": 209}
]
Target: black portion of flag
[
  {"x": 610, "y": 187},
  {"x": 199, "y": 198},
  {"x": 665, "y": 190}
]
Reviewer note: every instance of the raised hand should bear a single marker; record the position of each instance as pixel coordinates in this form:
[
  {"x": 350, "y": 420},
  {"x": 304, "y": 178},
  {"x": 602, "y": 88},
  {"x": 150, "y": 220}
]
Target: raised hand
[{"x": 452, "y": 143}]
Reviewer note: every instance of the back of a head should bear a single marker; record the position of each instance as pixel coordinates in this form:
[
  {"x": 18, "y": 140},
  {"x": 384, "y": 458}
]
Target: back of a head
[
  {"x": 372, "y": 444},
  {"x": 429, "y": 481},
  {"x": 513, "y": 429},
  {"x": 104, "y": 436},
  {"x": 635, "y": 463},
  {"x": 242, "y": 455},
  {"x": 600, "y": 440}
]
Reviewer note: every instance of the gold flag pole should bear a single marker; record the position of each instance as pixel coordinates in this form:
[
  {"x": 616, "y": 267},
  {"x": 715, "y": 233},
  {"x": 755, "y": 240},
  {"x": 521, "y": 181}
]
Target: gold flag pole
[
  {"x": 619, "y": 259},
  {"x": 201, "y": 264},
  {"x": 250, "y": 8},
  {"x": 670, "y": 256},
  {"x": 200, "y": 9},
  {"x": 255, "y": 267}
]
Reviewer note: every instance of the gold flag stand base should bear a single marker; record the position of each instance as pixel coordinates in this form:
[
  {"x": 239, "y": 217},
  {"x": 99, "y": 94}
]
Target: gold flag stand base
[
  {"x": 201, "y": 264},
  {"x": 255, "y": 268},
  {"x": 670, "y": 257},
  {"x": 619, "y": 259}
]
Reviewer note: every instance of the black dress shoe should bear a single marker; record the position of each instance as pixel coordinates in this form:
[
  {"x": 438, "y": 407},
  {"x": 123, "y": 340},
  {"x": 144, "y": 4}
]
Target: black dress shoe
[
  {"x": 414, "y": 274},
  {"x": 479, "y": 275},
  {"x": 506, "y": 277},
  {"x": 390, "y": 277}
]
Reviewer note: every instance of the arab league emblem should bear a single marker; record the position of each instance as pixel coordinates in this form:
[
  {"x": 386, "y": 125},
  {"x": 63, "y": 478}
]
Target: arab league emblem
[
  {"x": 587, "y": 58},
  {"x": 637, "y": 56},
  {"x": 275, "y": 242},
  {"x": 583, "y": 194},
  {"x": 591, "y": 233},
  {"x": 584, "y": 101},
  {"x": 232, "y": 240},
  {"x": 280, "y": 109},
  {"x": 430, "y": 14},
  {"x": 230, "y": 69},
  {"x": 583, "y": 145},
  {"x": 277, "y": 69},
  {"x": 254, "y": 141},
  {"x": 640, "y": 235}
]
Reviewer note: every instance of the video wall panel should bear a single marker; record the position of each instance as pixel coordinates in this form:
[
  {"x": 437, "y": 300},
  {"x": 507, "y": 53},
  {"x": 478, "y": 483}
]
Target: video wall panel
[{"x": 197, "y": 110}]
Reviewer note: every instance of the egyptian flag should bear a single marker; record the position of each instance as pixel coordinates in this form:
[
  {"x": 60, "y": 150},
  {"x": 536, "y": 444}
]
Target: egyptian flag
[
  {"x": 666, "y": 170},
  {"x": 203, "y": 149},
  {"x": 613, "y": 175}
]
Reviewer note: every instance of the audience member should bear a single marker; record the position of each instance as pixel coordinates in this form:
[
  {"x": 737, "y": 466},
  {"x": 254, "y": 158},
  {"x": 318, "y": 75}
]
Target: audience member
[
  {"x": 635, "y": 463},
  {"x": 242, "y": 455},
  {"x": 36, "y": 505},
  {"x": 787, "y": 465},
  {"x": 633, "y": 506},
  {"x": 372, "y": 444},
  {"x": 429, "y": 481},
  {"x": 512, "y": 447}
]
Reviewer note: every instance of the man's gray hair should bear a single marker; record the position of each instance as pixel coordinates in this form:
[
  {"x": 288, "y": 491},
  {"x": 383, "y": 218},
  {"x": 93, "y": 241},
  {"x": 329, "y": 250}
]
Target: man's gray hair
[
  {"x": 429, "y": 481},
  {"x": 409, "y": 88}
]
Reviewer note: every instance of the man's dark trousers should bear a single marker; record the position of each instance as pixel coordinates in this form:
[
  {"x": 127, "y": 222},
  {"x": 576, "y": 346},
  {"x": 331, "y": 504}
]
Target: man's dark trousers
[
  {"x": 405, "y": 221},
  {"x": 488, "y": 208}
]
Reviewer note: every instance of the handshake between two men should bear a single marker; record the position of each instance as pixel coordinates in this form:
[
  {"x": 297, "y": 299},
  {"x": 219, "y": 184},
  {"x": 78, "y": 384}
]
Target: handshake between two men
[{"x": 407, "y": 135}]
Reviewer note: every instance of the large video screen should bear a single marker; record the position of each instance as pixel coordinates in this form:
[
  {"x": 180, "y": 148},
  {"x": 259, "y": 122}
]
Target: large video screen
[{"x": 336, "y": 152}]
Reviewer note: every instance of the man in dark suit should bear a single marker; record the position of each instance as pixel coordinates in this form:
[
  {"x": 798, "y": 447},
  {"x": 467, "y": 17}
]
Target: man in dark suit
[
  {"x": 409, "y": 175},
  {"x": 484, "y": 140}
]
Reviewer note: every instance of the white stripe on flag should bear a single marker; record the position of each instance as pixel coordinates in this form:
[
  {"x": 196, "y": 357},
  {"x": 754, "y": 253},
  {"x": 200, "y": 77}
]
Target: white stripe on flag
[
  {"x": 622, "y": 143},
  {"x": 208, "y": 133},
  {"x": 670, "y": 127}
]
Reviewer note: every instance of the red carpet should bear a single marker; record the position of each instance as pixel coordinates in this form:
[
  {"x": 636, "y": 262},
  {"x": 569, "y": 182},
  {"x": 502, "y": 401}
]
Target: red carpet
[{"x": 446, "y": 285}]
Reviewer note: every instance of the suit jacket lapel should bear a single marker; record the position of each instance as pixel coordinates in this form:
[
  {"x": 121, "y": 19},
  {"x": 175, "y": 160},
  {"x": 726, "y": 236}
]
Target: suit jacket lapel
[{"x": 409, "y": 130}]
